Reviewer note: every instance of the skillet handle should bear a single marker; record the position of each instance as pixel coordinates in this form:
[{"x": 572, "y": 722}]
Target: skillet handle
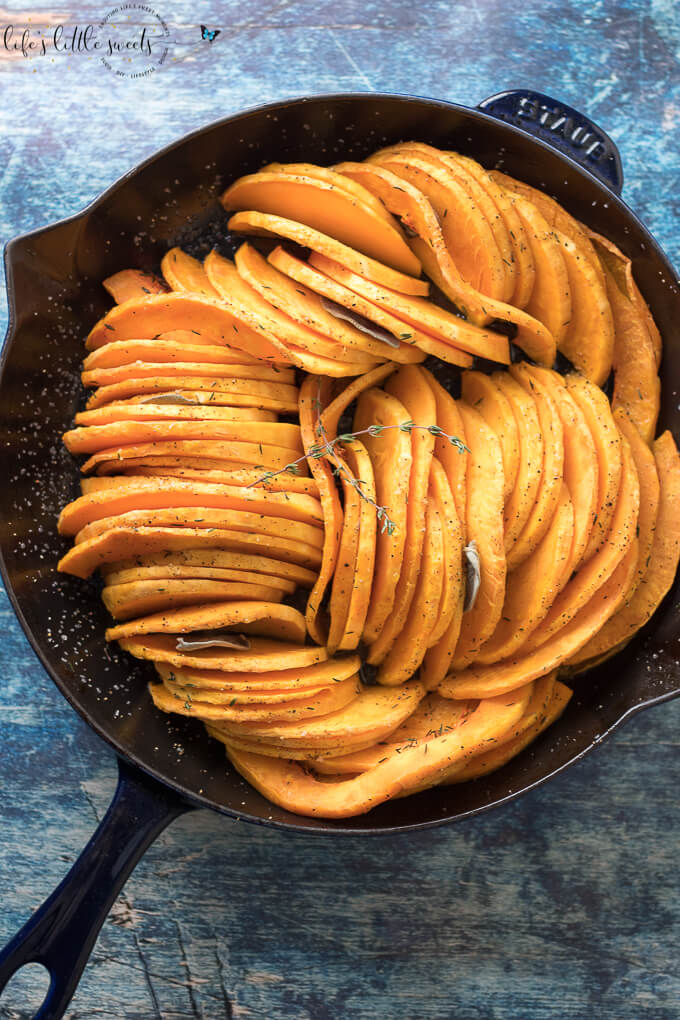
[
  {"x": 61, "y": 933},
  {"x": 562, "y": 127}
]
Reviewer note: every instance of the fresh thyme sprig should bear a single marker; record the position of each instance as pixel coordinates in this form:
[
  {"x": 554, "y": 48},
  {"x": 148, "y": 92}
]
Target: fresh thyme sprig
[{"x": 326, "y": 448}]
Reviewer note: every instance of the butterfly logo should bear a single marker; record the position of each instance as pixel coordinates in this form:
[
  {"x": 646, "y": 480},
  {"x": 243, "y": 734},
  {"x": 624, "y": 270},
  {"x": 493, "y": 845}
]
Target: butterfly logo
[{"x": 209, "y": 34}]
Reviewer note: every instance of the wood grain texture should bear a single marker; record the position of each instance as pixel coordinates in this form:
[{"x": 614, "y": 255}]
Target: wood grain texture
[{"x": 564, "y": 904}]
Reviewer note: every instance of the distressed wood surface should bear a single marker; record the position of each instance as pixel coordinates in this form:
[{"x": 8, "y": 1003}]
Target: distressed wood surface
[{"x": 564, "y": 904}]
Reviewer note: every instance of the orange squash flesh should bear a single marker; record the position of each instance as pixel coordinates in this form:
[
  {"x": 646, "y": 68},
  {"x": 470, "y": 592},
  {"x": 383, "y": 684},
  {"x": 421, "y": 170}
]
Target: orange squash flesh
[
  {"x": 264, "y": 656},
  {"x": 103, "y": 437},
  {"x": 128, "y": 410},
  {"x": 467, "y": 233},
  {"x": 327, "y": 209},
  {"x": 410, "y": 386},
  {"x": 158, "y": 352},
  {"x": 284, "y": 482},
  {"x": 176, "y": 571},
  {"x": 453, "y": 585},
  {"x": 532, "y": 588},
  {"x": 484, "y": 526},
  {"x": 140, "y": 598},
  {"x": 200, "y": 390},
  {"x": 410, "y": 646},
  {"x": 287, "y": 785},
  {"x": 278, "y": 226},
  {"x": 598, "y": 415},
  {"x": 659, "y": 568},
  {"x": 259, "y": 455},
  {"x": 550, "y": 300},
  {"x": 153, "y": 493},
  {"x": 359, "y": 464},
  {"x": 480, "y": 391},
  {"x": 313, "y": 396},
  {"x": 181, "y": 369},
  {"x": 550, "y": 483},
  {"x": 580, "y": 461},
  {"x": 305, "y": 306},
  {"x": 182, "y": 272},
  {"x": 589, "y": 579},
  {"x": 588, "y": 341},
  {"x": 290, "y": 681},
  {"x": 158, "y": 313},
  {"x": 491, "y": 760},
  {"x": 330, "y": 175},
  {"x": 275, "y": 571},
  {"x": 454, "y": 459},
  {"x": 131, "y": 284},
  {"x": 425, "y": 316},
  {"x": 124, "y": 542},
  {"x": 521, "y": 500},
  {"x": 346, "y": 563},
  {"x": 391, "y": 459},
  {"x": 282, "y": 623},
  {"x": 491, "y": 681}
]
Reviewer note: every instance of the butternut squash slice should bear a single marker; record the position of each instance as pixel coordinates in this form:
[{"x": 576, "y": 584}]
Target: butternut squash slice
[
  {"x": 276, "y": 571},
  {"x": 139, "y": 598},
  {"x": 325, "y": 208},
  {"x": 305, "y": 348},
  {"x": 453, "y": 586},
  {"x": 184, "y": 273},
  {"x": 126, "y": 411},
  {"x": 209, "y": 318},
  {"x": 659, "y": 568},
  {"x": 306, "y": 307},
  {"x": 283, "y": 482},
  {"x": 158, "y": 351},
  {"x": 525, "y": 268},
  {"x": 346, "y": 564},
  {"x": 425, "y": 316},
  {"x": 330, "y": 416},
  {"x": 330, "y": 175},
  {"x": 359, "y": 464},
  {"x": 131, "y": 284},
  {"x": 101, "y": 437},
  {"x": 637, "y": 344},
  {"x": 588, "y": 341},
  {"x": 262, "y": 619},
  {"x": 183, "y": 572},
  {"x": 589, "y": 579},
  {"x": 552, "y": 472},
  {"x": 206, "y": 517},
  {"x": 371, "y": 715},
  {"x": 228, "y": 453},
  {"x": 313, "y": 395},
  {"x": 480, "y": 392},
  {"x": 598, "y": 415},
  {"x": 266, "y": 225},
  {"x": 492, "y": 760},
  {"x": 555, "y": 215},
  {"x": 484, "y": 527},
  {"x": 169, "y": 698},
  {"x": 124, "y": 542},
  {"x": 201, "y": 389},
  {"x": 433, "y": 717},
  {"x": 411, "y": 388},
  {"x": 454, "y": 459},
  {"x": 264, "y": 655},
  {"x": 490, "y": 681},
  {"x": 410, "y": 646},
  {"x": 153, "y": 493},
  {"x": 307, "y": 276},
  {"x": 301, "y": 753},
  {"x": 182, "y": 369},
  {"x": 467, "y": 233},
  {"x": 550, "y": 300},
  {"x": 580, "y": 461},
  {"x": 242, "y": 699},
  {"x": 291, "y": 681},
  {"x": 289, "y": 786},
  {"x": 532, "y": 588},
  {"x": 391, "y": 459},
  {"x": 416, "y": 212}
]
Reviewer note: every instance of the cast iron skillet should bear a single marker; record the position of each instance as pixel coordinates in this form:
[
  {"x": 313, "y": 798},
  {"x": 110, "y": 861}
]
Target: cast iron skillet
[{"x": 167, "y": 766}]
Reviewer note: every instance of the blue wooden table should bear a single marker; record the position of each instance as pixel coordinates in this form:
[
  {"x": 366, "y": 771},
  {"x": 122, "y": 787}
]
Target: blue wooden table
[{"x": 565, "y": 904}]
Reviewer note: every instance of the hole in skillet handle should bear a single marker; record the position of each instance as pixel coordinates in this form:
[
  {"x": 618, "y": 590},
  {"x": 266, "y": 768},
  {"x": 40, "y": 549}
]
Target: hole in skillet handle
[
  {"x": 562, "y": 127},
  {"x": 61, "y": 933}
]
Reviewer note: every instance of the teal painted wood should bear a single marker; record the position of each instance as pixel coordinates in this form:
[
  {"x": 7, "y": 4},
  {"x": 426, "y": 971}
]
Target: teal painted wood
[{"x": 566, "y": 903}]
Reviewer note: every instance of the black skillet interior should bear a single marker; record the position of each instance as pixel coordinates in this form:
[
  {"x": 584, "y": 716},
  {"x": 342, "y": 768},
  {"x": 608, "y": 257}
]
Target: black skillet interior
[{"x": 55, "y": 295}]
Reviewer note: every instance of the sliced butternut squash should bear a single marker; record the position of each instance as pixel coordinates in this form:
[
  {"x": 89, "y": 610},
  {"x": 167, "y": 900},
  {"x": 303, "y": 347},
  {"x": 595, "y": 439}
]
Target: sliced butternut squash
[
  {"x": 262, "y": 619},
  {"x": 184, "y": 273},
  {"x": 131, "y": 284}
]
